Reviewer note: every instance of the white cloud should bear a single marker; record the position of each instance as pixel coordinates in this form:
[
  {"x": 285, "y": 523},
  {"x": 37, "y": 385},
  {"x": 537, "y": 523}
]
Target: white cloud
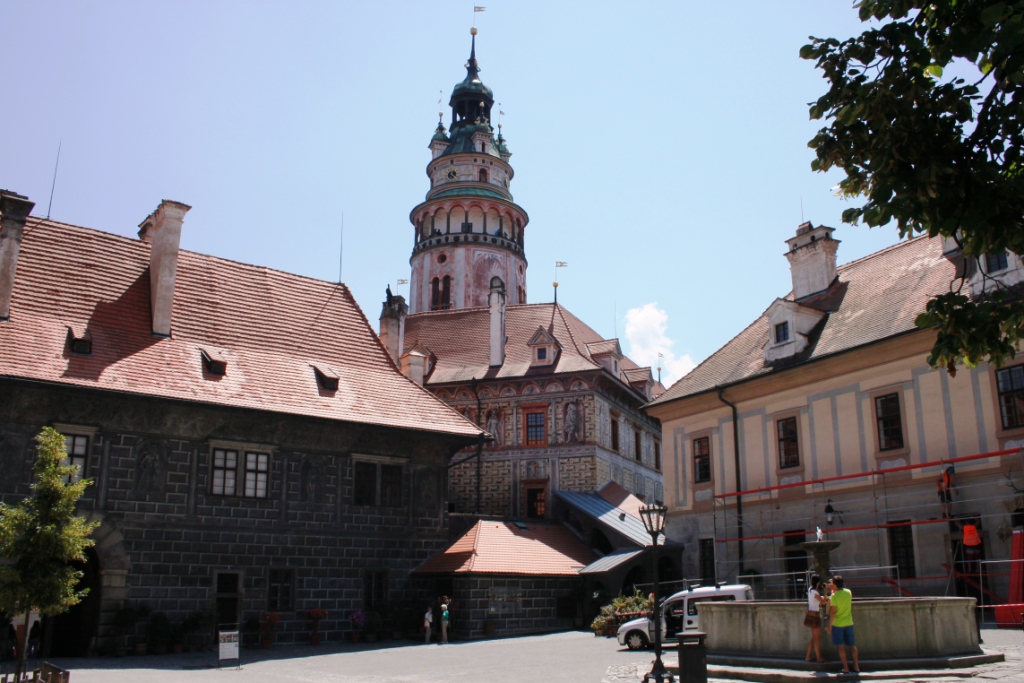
[{"x": 645, "y": 332}]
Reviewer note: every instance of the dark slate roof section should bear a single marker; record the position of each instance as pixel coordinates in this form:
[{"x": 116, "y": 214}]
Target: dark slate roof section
[
  {"x": 598, "y": 508},
  {"x": 611, "y": 561},
  {"x": 874, "y": 298}
]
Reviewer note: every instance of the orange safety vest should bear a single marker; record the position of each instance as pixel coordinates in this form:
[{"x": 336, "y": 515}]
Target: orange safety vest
[{"x": 971, "y": 537}]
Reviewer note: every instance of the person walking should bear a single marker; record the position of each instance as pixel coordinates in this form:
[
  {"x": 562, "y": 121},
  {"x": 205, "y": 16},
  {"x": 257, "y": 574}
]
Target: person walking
[
  {"x": 428, "y": 621},
  {"x": 812, "y": 619},
  {"x": 840, "y": 623},
  {"x": 444, "y": 623}
]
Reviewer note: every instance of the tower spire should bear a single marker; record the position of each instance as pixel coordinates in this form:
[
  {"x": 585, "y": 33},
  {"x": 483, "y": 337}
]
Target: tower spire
[{"x": 472, "y": 67}]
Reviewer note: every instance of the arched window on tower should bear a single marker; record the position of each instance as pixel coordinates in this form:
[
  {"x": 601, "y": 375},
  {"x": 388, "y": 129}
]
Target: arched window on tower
[
  {"x": 522, "y": 296},
  {"x": 446, "y": 292},
  {"x": 435, "y": 294},
  {"x": 483, "y": 171},
  {"x": 482, "y": 148}
]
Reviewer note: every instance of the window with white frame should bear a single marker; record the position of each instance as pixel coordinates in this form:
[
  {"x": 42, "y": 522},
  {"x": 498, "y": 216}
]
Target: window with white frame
[
  {"x": 231, "y": 465},
  {"x": 77, "y": 448}
]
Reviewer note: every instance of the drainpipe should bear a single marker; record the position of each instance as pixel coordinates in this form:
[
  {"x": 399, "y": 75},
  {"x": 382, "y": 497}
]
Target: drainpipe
[
  {"x": 739, "y": 479},
  {"x": 479, "y": 445}
]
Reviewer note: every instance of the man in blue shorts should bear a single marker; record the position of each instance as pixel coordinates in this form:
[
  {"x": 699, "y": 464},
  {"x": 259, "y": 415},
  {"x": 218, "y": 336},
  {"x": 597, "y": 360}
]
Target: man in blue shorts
[{"x": 840, "y": 623}]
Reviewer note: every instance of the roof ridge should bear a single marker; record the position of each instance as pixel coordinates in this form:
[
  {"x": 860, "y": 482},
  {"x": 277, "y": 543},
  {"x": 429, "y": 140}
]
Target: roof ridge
[
  {"x": 572, "y": 338},
  {"x": 716, "y": 352},
  {"x": 901, "y": 243},
  {"x": 43, "y": 222}
]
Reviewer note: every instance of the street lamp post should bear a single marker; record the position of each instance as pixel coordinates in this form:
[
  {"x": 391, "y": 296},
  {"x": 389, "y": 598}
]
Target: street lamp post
[{"x": 654, "y": 521}]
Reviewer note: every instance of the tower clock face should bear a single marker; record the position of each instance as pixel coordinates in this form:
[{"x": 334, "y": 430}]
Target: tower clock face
[{"x": 453, "y": 173}]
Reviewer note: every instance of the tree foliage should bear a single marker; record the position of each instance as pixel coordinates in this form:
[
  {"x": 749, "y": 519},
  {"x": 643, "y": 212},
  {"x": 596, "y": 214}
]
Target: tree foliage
[
  {"x": 935, "y": 154},
  {"x": 41, "y": 536}
]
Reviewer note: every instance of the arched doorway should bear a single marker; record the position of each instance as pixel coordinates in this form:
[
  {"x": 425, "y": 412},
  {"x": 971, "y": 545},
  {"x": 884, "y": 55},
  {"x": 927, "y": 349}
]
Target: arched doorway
[
  {"x": 636, "y": 576},
  {"x": 71, "y": 633}
]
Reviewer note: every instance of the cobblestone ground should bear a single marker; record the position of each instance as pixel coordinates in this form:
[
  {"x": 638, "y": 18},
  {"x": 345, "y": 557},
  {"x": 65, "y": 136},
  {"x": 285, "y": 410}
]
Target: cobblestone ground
[
  {"x": 573, "y": 657},
  {"x": 1008, "y": 642},
  {"x": 576, "y": 657}
]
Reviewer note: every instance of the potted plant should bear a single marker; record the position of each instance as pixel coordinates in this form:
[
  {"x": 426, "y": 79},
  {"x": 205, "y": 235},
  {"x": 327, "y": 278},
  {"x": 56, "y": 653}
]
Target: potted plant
[
  {"x": 358, "y": 621},
  {"x": 268, "y": 628},
  {"x": 124, "y": 621},
  {"x": 315, "y": 615},
  {"x": 251, "y": 629},
  {"x": 159, "y": 632}
]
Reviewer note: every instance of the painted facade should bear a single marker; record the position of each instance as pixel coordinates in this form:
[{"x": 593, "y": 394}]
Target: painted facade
[{"x": 858, "y": 397}]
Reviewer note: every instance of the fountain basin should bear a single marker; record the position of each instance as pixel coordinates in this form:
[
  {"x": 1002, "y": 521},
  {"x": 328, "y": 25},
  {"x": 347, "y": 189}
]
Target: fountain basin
[{"x": 900, "y": 628}]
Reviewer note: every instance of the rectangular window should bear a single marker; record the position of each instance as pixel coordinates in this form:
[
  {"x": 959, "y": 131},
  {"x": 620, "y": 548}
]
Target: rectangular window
[
  {"x": 77, "y": 448},
  {"x": 638, "y": 446},
  {"x": 890, "y": 424},
  {"x": 657, "y": 455},
  {"x": 391, "y": 486},
  {"x": 535, "y": 429},
  {"x": 1010, "y": 384},
  {"x": 789, "y": 448},
  {"x": 377, "y": 484},
  {"x": 225, "y": 469},
  {"x": 782, "y": 332},
  {"x": 375, "y": 591},
  {"x": 996, "y": 262},
  {"x": 901, "y": 549},
  {"x": 281, "y": 590},
  {"x": 615, "y": 432},
  {"x": 536, "y": 503},
  {"x": 365, "y": 484},
  {"x": 542, "y": 353},
  {"x": 706, "y": 551},
  {"x": 257, "y": 467},
  {"x": 702, "y": 459}
]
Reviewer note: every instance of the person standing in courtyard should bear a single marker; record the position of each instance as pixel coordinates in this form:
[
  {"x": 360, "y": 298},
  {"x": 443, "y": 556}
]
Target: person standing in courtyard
[
  {"x": 812, "y": 619},
  {"x": 444, "y": 623},
  {"x": 840, "y": 623},
  {"x": 428, "y": 621}
]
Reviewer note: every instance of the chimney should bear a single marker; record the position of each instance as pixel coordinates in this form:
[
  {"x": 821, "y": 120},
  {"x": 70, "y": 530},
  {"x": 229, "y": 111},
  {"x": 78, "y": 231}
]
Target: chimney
[
  {"x": 414, "y": 364},
  {"x": 162, "y": 229},
  {"x": 496, "y": 302},
  {"x": 812, "y": 259},
  {"x": 392, "y": 325},
  {"x": 14, "y": 209}
]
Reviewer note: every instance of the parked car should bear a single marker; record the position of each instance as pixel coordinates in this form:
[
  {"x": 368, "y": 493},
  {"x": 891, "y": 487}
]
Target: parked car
[{"x": 679, "y": 613}]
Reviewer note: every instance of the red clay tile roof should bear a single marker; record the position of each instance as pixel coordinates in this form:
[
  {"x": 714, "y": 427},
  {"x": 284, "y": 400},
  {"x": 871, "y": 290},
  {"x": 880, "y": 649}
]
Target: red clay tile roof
[
  {"x": 270, "y": 328},
  {"x": 460, "y": 339},
  {"x": 493, "y": 547},
  {"x": 873, "y": 298}
]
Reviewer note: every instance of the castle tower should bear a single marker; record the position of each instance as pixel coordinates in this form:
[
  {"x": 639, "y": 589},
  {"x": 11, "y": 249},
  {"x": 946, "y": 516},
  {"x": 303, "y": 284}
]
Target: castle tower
[{"x": 468, "y": 230}]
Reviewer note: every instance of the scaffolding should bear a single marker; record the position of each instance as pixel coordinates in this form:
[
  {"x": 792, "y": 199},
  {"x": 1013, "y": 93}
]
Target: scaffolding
[{"x": 900, "y": 539}]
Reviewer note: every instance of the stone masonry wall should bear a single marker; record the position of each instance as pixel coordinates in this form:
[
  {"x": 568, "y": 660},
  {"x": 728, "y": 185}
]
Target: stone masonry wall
[
  {"x": 165, "y": 535},
  {"x": 495, "y": 491},
  {"x": 577, "y": 474},
  {"x": 536, "y": 612}
]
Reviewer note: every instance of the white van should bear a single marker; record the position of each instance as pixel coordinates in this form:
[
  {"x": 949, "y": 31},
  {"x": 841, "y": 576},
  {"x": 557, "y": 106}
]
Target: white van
[{"x": 679, "y": 614}]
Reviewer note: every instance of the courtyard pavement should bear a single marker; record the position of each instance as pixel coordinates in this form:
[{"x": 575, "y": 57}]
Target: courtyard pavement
[{"x": 575, "y": 656}]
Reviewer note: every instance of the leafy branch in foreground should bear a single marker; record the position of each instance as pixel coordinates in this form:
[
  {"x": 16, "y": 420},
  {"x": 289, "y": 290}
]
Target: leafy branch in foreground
[{"x": 937, "y": 155}]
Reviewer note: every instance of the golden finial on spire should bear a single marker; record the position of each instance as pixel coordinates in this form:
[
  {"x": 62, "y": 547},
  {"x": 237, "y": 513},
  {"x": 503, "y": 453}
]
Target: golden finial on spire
[{"x": 472, "y": 31}]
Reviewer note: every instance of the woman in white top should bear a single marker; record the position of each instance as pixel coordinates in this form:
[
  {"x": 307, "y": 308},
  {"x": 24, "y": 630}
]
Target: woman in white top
[{"x": 812, "y": 619}]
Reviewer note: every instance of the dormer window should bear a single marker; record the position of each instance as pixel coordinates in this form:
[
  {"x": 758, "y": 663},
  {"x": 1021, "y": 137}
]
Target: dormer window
[
  {"x": 326, "y": 377},
  {"x": 79, "y": 343},
  {"x": 782, "y": 332},
  {"x": 544, "y": 348},
  {"x": 213, "y": 362},
  {"x": 995, "y": 263}
]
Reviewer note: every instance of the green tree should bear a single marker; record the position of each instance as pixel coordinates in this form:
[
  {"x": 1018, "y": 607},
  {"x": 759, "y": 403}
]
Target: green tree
[
  {"x": 41, "y": 536},
  {"x": 935, "y": 153}
]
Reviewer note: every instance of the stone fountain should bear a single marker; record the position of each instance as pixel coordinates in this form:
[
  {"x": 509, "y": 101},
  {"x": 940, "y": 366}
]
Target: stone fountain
[{"x": 821, "y": 551}]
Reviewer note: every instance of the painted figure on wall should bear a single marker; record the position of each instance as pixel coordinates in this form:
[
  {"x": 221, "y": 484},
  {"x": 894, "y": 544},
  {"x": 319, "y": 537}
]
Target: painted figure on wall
[
  {"x": 573, "y": 425},
  {"x": 150, "y": 468},
  {"x": 496, "y": 426}
]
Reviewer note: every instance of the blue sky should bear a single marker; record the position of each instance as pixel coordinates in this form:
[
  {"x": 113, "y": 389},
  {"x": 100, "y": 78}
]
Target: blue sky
[{"x": 659, "y": 148}]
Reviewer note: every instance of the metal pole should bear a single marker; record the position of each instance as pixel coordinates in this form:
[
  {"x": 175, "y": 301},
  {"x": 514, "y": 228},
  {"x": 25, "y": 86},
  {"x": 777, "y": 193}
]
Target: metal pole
[{"x": 658, "y": 672}]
